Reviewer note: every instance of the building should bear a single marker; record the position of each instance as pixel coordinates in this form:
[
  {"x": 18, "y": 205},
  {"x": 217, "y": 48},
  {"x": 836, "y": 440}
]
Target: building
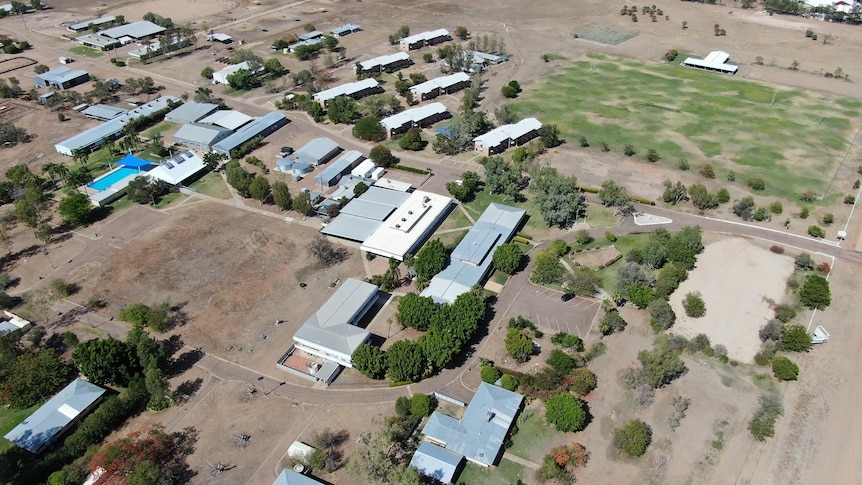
[
  {"x": 190, "y": 112},
  {"x": 179, "y": 168},
  {"x": 102, "y": 112},
  {"x": 53, "y": 418},
  {"x": 200, "y": 136},
  {"x": 501, "y": 138},
  {"x": 157, "y": 48},
  {"x": 478, "y": 436},
  {"x": 92, "y": 139},
  {"x": 290, "y": 477},
  {"x": 345, "y": 29},
  {"x": 9, "y": 322},
  {"x": 358, "y": 220},
  {"x": 314, "y": 34},
  {"x": 333, "y": 173},
  {"x": 317, "y": 152},
  {"x": 332, "y": 332},
  {"x": 220, "y": 37},
  {"x": 383, "y": 63},
  {"x": 409, "y": 226},
  {"x": 101, "y": 41},
  {"x": 227, "y": 118},
  {"x": 470, "y": 261},
  {"x": 309, "y": 42},
  {"x": 417, "y": 117},
  {"x": 355, "y": 90},
  {"x": 88, "y": 24},
  {"x": 716, "y": 61},
  {"x": 220, "y": 76},
  {"x": 364, "y": 170},
  {"x": 441, "y": 85},
  {"x": 260, "y": 127},
  {"x": 61, "y": 78},
  {"x": 140, "y": 30},
  {"x": 418, "y": 41},
  {"x": 438, "y": 463}
]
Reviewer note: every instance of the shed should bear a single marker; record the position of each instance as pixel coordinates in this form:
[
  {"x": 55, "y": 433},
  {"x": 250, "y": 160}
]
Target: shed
[
  {"x": 43, "y": 98},
  {"x": 103, "y": 112},
  {"x": 318, "y": 151},
  {"x": 300, "y": 450},
  {"x": 61, "y": 78},
  {"x": 438, "y": 463},
  {"x": 227, "y": 118},
  {"x": 333, "y": 173},
  {"x": 191, "y": 111},
  {"x": 345, "y": 30},
  {"x": 364, "y": 169},
  {"x": 262, "y": 126},
  {"x": 378, "y": 173},
  {"x": 200, "y": 136}
]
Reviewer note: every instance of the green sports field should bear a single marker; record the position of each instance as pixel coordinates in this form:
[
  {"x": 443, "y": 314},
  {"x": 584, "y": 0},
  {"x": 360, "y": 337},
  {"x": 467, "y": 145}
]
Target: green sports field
[{"x": 791, "y": 139}]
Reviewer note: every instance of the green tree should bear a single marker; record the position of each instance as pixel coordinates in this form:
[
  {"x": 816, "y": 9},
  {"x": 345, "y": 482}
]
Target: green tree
[
  {"x": 369, "y": 128},
  {"x": 582, "y": 281},
  {"x": 633, "y": 438},
  {"x": 557, "y": 196},
  {"x": 381, "y": 156},
  {"x": 548, "y": 268},
  {"x": 430, "y": 260},
  {"x": 416, "y": 311},
  {"x": 613, "y": 195},
  {"x": 507, "y": 258},
  {"x": 762, "y": 424},
  {"x": 815, "y": 292},
  {"x": 784, "y": 368},
  {"x": 550, "y": 136},
  {"x": 76, "y": 209},
  {"x": 370, "y": 360},
  {"x": 330, "y": 43},
  {"x": 207, "y": 72},
  {"x": 612, "y": 322},
  {"x": 302, "y": 204},
  {"x": 405, "y": 362},
  {"x": 260, "y": 189},
  {"x": 509, "y": 91},
  {"x": 661, "y": 365},
  {"x": 343, "y": 110},
  {"x": 281, "y": 195},
  {"x": 560, "y": 361},
  {"x": 360, "y": 189},
  {"x": 244, "y": 79},
  {"x": 795, "y": 338},
  {"x": 421, "y": 405},
  {"x": 109, "y": 361},
  {"x": 31, "y": 377},
  {"x": 466, "y": 190},
  {"x": 694, "y": 305},
  {"x": 273, "y": 66},
  {"x": 566, "y": 412},
  {"x": 489, "y": 374},
  {"x": 701, "y": 198},
  {"x": 412, "y": 140},
  {"x": 662, "y": 316},
  {"x": 518, "y": 345}
]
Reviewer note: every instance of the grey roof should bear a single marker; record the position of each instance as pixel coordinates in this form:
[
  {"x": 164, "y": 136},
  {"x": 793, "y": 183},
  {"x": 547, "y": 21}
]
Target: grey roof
[
  {"x": 96, "y": 134},
  {"x": 191, "y": 111},
  {"x": 314, "y": 34},
  {"x": 436, "y": 462},
  {"x": 471, "y": 259},
  {"x": 333, "y": 325},
  {"x": 103, "y": 112},
  {"x": 290, "y": 477},
  {"x": 345, "y": 29},
  {"x": 86, "y": 24},
  {"x": 51, "y": 418},
  {"x": 317, "y": 151},
  {"x": 272, "y": 120},
  {"x": 136, "y": 30},
  {"x": 61, "y": 75},
  {"x": 227, "y": 118},
  {"x": 480, "y": 433},
  {"x": 363, "y": 215},
  {"x": 98, "y": 39},
  {"x": 197, "y": 133},
  {"x": 338, "y": 168}
]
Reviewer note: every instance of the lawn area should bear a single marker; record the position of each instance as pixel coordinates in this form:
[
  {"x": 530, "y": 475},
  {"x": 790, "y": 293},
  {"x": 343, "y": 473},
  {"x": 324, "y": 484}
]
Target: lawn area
[
  {"x": 601, "y": 216},
  {"x": 793, "y": 140},
  {"x": 624, "y": 244},
  {"x": 211, "y": 184},
  {"x": 9, "y": 418},
  {"x": 85, "y": 51},
  {"x": 170, "y": 199},
  {"x": 504, "y": 473},
  {"x": 534, "y": 437},
  {"x": 535, "y": 225},
  {"x": 454, "y": 220},
  {"x": 160, "y": 128},
  {"x": 499, "y": 277}
]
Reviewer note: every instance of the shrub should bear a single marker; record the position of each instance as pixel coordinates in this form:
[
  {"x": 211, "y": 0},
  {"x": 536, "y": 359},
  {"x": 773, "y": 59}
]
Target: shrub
[
  {"x": 612, "y": 322},
  {"x": 850, "y": 200},
  {"x": 771, "y": 331},
  {"x": 756, "y": 183},
  {"x": 804, "y": 262},
  {"x": 610, "y": 236},
  {"x": 776, "y": 249},
  {"x": 421, "y": 405},
  {"x": 707, "y": 171},
  {"x": 803, "y": 214},
  {"x": 784, "y": 313},
  {"x": 694, "y": 305},
  {"x": 776, "y": 208},
  {"x": 722, "y": 196},
  {"x": 762, "y": 424},
  {"x": 795, "y": 338},
  {"x": 566, "y": 412},
  {"x": 653, "y": 156},
  {"x": 824, "y": 268},
  {"x": 568, "y": 341},
  {"x": 816, "y": 231},
  {"x": 784, "y": 368},
  {"x": 815, "y": 292},
  {"x": 583, "y": 142},
  {"x": 490, "y": 374},
  {"x": 670, "y": 55},
  {"x": 560, "y": 361},
  {"x": 633, "y": 439},
  {"x": 683, "y": 164},
  {"x": 582, "y": 381},
  {"x": 508, "y": 382},
  {"x": 629, "y": 150},
  {"x": 828, "y": 219}
]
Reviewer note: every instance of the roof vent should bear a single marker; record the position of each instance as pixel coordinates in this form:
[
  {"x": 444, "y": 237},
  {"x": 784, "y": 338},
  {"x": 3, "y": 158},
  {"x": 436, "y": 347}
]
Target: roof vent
[
  {"x": 397, "y": 226},
  {"x": 490, "y": 415}
]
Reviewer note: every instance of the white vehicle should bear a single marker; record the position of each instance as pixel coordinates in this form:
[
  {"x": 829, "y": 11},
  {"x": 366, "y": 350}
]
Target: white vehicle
[{"x": 820, "y": 335}]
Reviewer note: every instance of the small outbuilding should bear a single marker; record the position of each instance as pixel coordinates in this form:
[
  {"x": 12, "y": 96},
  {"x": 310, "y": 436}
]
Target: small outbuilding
[
  {"x": 423, "y": 39},
  {"x": 333, "y": 173}
]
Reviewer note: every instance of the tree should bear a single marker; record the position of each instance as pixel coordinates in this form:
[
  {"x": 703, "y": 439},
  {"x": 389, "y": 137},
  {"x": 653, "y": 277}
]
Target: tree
[
  {"x": 489, "y": 374},
  {"x": 369, "y": 128},
  {"x": 548, "y": 268},
  {"x": 430, "y": 260},
  {"x": 381, "y": 156},
  {"x": 550, "y": 136},
  {"x": 502, "y": 177},
  {"x": 360, "y": 189},
  {"x": 324, "y": 252},
  {"x": 141, "y": 458},
  {"x": 693, "y": 304},
  {"x": 412, "y": 140},
  {"x": 108, "y": 361},
  {"x": 416, "y": 311},
  {"x": 633, "y": 438},
  {"x": 421, "y": 405},
  {"x": 560, "y": 361},
  {"x": 744, "y": 208},
  {"x": 76, "y": 209},
  {"x": 31, "y": 377},
  {"x": 612, "y": 322},
  {"x": 370, "y": 361},
  {"x": 795, "y": 338},
  {"x": 281, "y": 195},
  {"x": 302, "y": 204},
  {"x": 762, "y": 424},
  {"x": 273, "y": 66},
  {"x": 701, "y": 198},
  {"x": 207, "y": 72},
  {"x": 508, "y": 91},
  {"x": 244, "y": 79},
  {"x": 582, "y": 381},
  {"x": 405, "y": 362},
  {"x": 582, "y": 281},
  {"x": 507, "y": 258},
  {"x": 343, "y": 110},
  {"x": 784, "y": 368},
  {"x": 505, "y": 115},
  {"x": 815, "y": 292},
  {"x": 465, "y": 189},
  {"x": 674, "y": 193},
  {"x": 518, "y": 345},
  {"x": 661, "y": 365},
  {"x": 613, "y": 195},
  {"x": 662, "y": 316},
  {"x": 260, "y": 189},
  {"x": 557, "y": 196},
  {"x": 566, "y": 412}
]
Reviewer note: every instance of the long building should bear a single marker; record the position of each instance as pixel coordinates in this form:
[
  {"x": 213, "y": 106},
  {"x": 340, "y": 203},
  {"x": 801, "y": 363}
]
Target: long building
[
  {"x": 333, "y": 173},
  {"x": 441, "y": 85},
  {"x": 389, "y": 61},
  {"x": 418, "y": 41},
  {"x": 355, "y": 90},
  {"x": 501, "y": 138},
  {"x": 470, "y": 261},
  {"x": 716, "y": 61},
  {"x": 421, "y": 116},
  {"x": 61, "y": 78},
  {"x": 263, "y": 127}
]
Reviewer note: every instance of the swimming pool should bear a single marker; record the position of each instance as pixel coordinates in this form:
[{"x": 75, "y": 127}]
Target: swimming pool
[{"x": 111, "y": 178}]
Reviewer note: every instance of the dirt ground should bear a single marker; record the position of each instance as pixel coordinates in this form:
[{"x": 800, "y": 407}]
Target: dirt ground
[{"x": 740, "y": 284}]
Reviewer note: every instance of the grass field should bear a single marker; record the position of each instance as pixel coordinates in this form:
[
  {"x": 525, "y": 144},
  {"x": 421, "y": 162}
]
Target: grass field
[
  {"x": 534, "y": 437},
  {"x": 790, "y": 139},
  {"x": 504, "y": 473},
  {"x": 160, "y": 128},
  {"x": 211, "y": 184},
  {"x": 9, "y": 418},
  {"x": 85, "y": 51}
]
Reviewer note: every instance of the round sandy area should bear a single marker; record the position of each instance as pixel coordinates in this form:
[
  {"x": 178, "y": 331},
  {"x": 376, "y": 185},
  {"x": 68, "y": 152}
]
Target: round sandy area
[
  {"x": 177, "y": 10},
  {"x": 738, "y": 282}
]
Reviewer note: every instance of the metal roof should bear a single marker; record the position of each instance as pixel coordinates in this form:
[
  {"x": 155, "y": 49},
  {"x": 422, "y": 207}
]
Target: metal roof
[
  {"x": 290, "y": 477},
  {"x": 333, "y": 325},
  {"x": 136, "y": 30},
  {"x": 471, "y": 259},
  {"x": 179, "y": 168},
  {"x": 424, "y": 36},
  {"x": 413, "y": 116},
  {"x": 383, "y": 61},
  {"x": 480, "y": 433},
  {"x": 345, "y": 29},
  {"x": 98, "y": 39},
  {"x": 103, "y": 112},
  {"x": 408, "y": 227},
  {"x": 363, "y": 215},
  {"x": 60, "y": 75},
  {"x": 273, "y": 119},
  {"x": 227, "y": 118},
  {"x": 200, "y": 134},
  {"x": 317, "y": 151},
  {"x": 347, "y": 89},
  {"x": 191, "y": 111},
  {"x": 436, "y": 462},
  {"x": 347, "y": 161},
  {"x": 9, "y": 322},
  {"x": 508, "y": 132},
  {"x": 314, "y": 34},
  {"x": 87, "y": 23},
  {"x": 218, "y": 36},
  {"x": 98, "y": 133},
  {"x": 443, "y": 82},
  {"x": 705, "y": 64},
  {"x": 51, "y": 418}
]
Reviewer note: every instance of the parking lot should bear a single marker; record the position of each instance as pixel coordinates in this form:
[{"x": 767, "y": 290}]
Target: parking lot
[{"x": 544, "y": 308}]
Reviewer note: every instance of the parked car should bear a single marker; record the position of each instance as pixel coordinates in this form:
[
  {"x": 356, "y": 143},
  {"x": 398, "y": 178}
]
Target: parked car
[{"x": 567, "y": 297}]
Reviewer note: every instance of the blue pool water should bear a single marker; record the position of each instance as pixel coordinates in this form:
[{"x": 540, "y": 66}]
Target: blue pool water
[{"x": 114, "y": 177}]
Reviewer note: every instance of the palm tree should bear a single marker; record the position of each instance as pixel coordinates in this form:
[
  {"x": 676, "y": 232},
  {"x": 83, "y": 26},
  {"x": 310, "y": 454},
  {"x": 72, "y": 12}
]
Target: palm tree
[
  {"x": 80, "y": 156},
  {"x": 110, "y": 144}
]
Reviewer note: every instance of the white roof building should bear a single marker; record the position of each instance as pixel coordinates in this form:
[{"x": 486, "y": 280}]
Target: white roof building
[
  {"x": 441, "y": 85},
  {"x": 715, "y": 61},
  {"x": 501, "y": 138},
  {"x": 178, "y": 169},
  {"x": 385, "y": 62},
  {"x": 404, "y": 231},
  {"x": 421, "y": 116},
  {"x": 227, "y": 118},
  {"x": 422, "y": 39},
  {"x": 355, "y": 90},
  {"x": 9, "y": 322}
]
